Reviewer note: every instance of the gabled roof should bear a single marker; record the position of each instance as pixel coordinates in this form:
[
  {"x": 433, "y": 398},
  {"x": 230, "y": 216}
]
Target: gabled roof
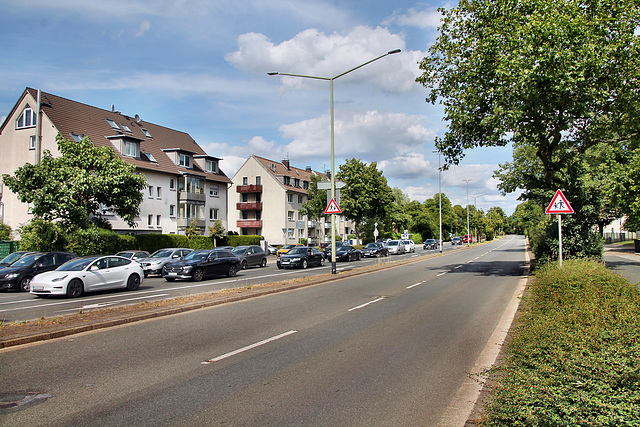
[
  {"x": 278, "y": 169},
  {"x": 74, "y": 117}
]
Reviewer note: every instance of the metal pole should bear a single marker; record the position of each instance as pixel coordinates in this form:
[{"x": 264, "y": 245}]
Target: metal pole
[
  {"x": 467, "y": 181},
  {"x": 560, "y": 238},
  {"x": 440, "y": 197},
  {"x": 333, "y": 189}
]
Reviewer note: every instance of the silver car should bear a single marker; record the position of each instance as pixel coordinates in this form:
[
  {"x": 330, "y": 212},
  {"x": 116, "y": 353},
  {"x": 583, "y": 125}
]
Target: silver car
[
  {"x": 396, "y": 247},
  {"x": 157, "y": 260}
]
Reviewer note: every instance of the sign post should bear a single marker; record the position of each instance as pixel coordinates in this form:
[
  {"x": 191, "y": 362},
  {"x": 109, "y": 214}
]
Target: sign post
[{"x": 559, "y": 205}]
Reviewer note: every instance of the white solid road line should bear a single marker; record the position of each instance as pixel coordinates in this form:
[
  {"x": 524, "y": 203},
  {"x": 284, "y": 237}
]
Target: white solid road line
[{"x": 249, "y": 347}]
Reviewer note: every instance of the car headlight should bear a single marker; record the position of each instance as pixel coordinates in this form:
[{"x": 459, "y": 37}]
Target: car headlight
[
  {"x": 187, "y": 268},
  {"x": 11, "y": 275},
  {"x": 58, "y": 279},
  {"x": 296, "y": 259}
]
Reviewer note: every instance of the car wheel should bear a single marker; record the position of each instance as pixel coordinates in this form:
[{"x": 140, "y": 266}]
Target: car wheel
[
  {"x": 133, "y": 283},
  {"x": 75, "y": 288},
  {"x": 322, "y": 262},
  {"x": 25, "y": 284},
  {"x": 198, "y": 275},
  {"x": 280, "y": 267},
  {"x": 304, "y": 263},
  {"x": 244, "y": 265},
  {"x": 233, "y": 270},
  {"x": 264, "y": 262}
]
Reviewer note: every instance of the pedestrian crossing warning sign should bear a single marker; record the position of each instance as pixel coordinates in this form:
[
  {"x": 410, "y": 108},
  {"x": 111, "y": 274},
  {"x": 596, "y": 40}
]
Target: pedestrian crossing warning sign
[
  {"x": 559, "y": 205},
  {"x": 332, "y": 208}
]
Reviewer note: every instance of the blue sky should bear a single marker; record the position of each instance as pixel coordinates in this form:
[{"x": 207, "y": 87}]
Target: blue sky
[{"x": 201, "y": 67}]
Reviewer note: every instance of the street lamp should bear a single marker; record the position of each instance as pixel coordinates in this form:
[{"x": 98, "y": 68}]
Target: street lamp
[
  {"x": 333, "y": 165},
  {"x": 440, "y": 196},
  {"x": 467, "y": 181}
]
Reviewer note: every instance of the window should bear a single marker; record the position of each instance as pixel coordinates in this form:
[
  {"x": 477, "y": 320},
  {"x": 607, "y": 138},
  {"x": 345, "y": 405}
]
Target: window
[
  {"x": 212, "y": 166},
  {"x": 159, "y": 192},
  {"x": 300, "y": 216},
  {"x": 245, "y": 215},
  {"x": 27, "y": 119},
  {"x": 130, "y": 149},
  {"x": 290, "y": 215},
  {"x": 146, "y": 132},
  {"x": 300, "y": 199},
  {"x": 125, "y": 127},
  {"x": 296, "y": 182},
  {"x": 258, "y": 197},
  {"x": 245, "y": 197},
  {"x": 213, "y": 214},
  {"x": 305, "y": 185},
  {"x": 113, "y": 124},
  {"x": 287, "y": 180},
  {"x": 184, "y": 160},
  {"x": 290, "y": 198},
  {"x": 158, "y": 220},
  {"x": 32, "y": 142},
  {"x": 194, "y": 185},
  {"x": 245, "y": 180},
  {"x": 151, "y": 191},
  {"x": 172, "y": 211},
  {"x": 258, "y": 180},
  {"x": 76, "y": 137},
  {"x": 150, "y": 221},
  {"x": 213, "y": 191},
  {"x": 172, "y": 184}
]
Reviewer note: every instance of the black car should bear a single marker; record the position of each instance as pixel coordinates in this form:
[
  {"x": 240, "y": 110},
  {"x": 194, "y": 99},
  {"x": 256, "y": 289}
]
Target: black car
[
  {"x": 13, "y": 257},
  {"x": 430, "y": 244},
  {"x": 302, "y": 257},
  {"x": 348, "y": 253},
  {"x": 19, "y": 274},
  {"x": 327, "y": 249},
  {"x": 197, "y": 265},
  {"x": 374, "y": 249},
  {"x": 251, "y": 256}
]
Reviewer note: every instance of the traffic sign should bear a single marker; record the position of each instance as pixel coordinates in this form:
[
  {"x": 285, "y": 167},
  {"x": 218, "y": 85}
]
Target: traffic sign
[
  {"x": 332, "y": 208},
  {"x": 559, "y": 205}
]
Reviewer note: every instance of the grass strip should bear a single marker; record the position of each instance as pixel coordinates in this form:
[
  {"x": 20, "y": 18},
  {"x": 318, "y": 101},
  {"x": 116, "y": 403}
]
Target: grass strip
[{"x": 574, "y": 358}]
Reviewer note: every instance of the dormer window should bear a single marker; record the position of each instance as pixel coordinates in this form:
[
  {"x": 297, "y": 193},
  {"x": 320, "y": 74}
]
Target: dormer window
[
  {"x": 27, "y": 119},
  {"x": 113, "y": 124},
  {"x": 130, "y": 149},
  {"x": 76, "y": 137},
  {"x": 125, "y": 127},
  {"x": 184, "y": 160},
  {"x": 212, "y": 166},
  {"x": 146, "y": 133}
]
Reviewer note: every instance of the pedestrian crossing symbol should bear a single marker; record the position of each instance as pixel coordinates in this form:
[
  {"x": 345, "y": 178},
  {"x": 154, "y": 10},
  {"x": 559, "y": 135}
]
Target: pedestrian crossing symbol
[
  {"x": 559, "y": 205},
  {"x": 332, "y": 208}
]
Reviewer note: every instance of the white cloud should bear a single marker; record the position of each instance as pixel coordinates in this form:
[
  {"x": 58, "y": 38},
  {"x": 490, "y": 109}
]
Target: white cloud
[
  {"x": 415, "y": 18},
  {"x": 143, "y": 28},
  {"x": 314, "y": 53},
  {"x": 409, "y": 166}
]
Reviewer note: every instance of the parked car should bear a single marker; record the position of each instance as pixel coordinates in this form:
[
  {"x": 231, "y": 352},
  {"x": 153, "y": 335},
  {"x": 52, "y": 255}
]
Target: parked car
[
  {"x": 327, "y": 249},
  {"x": 284, "y": 249},
  {"x": 468, "y": 238},
  {"x": 13, "y": 257},
  {"x": 301, "y": 257},
  {"x": 157, "y": 260},
  {"x": 197, "y": 265},
  {"x": 134, "y": 255},
  {"x": 409, "y": 245},
  {"x": 90, "y": 273},
  {"x": 430, "y": 244},
  {"x": 271, "y": 250},
  {"x": 456, "y": 241},
  {"x": 19, "y": 274},
  {"x": 374, "y": 249},
  {"x": 251, "y": 256},
  {"x": 348, "y": 253},
  {"x": 395, "y": 247}
]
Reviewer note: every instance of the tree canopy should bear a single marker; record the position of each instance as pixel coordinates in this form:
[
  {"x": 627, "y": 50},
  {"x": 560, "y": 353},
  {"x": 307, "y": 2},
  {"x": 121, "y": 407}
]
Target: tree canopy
[{"x": 79, "y": 184}]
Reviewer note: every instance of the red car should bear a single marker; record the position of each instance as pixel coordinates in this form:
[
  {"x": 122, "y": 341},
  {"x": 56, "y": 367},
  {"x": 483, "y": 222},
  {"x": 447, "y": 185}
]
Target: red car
[{"x": 468, "y": 238}]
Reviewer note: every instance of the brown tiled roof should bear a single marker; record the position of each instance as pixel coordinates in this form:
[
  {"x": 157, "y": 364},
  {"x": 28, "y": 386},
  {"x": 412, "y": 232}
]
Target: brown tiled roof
[
  {"x": 280, "y": 169},
  {"x": 74, "y": 117}
]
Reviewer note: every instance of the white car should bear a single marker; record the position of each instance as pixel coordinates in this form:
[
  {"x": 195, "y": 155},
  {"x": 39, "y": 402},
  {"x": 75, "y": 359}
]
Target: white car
[
  {"x": 409, "y": 245},
  {"x": 396, "y": 247},
  {"x": 91, "y": 273}
]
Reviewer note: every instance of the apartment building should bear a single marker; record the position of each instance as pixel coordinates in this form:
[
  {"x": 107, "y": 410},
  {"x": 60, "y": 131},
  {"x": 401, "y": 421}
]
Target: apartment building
[{"x": 185, "y": 183}]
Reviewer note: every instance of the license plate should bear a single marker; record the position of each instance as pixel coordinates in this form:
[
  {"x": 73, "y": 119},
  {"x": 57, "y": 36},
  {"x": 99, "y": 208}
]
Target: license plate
[
  {"x": 173, "y": 273},
  {"x": 37, "y": 288}
]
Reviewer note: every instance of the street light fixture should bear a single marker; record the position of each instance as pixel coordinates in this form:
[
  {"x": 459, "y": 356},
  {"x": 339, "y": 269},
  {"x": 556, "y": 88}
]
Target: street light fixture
[{"x": 333, "y": 165}]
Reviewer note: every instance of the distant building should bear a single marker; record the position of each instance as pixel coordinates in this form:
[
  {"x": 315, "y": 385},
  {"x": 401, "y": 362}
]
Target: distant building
[
  {"x": 185, "y": 183},
  {"x": 268, "y": 202}
]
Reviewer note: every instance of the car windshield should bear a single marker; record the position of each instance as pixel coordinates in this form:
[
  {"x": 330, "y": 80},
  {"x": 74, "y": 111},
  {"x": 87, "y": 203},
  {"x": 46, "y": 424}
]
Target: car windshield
[
  {"x": 11, "y": 258},
  {"x": 196, "y": 256},
  {"x": 371, "y": 246},
  {"x": 300, "y": 251},
  {"x": 393, "y": 243},
  {"x": 26, "y": 260},
  {"x": 77, "y": 264},
  {"x": 240, "y": 250},
  {"x": 161, "y": 253},
  {"x": 288, "y": 246}
]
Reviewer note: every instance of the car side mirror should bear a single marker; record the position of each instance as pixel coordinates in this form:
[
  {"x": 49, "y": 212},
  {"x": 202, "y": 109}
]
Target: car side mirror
[{"x": 94, "y": 268}]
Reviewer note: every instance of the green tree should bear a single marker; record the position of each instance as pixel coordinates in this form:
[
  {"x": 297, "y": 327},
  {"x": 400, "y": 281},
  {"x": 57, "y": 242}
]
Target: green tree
[
  {"x": 216, "y": 232},
  {"x": 80, "y": 183},
  {"x": 5, "y": 232},
  {"x": 366, "y": 194},
  {"x": 316, "y": 204}
]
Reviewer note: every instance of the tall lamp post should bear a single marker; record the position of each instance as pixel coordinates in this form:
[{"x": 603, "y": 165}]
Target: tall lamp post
[
  {"x": 440, "y": 196},
  {"x": 467, "y": 181},
  {"x": 333, "y": 165}
]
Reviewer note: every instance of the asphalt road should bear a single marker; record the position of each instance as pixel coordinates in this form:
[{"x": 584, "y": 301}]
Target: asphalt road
[
  {"x": 19, "y": 306},
  {"x": 390, "y": 348},
  {"x": 623, "y": 261}
]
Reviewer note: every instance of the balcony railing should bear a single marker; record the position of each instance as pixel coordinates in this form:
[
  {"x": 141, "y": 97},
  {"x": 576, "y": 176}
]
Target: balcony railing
[
  {"x": 249, "y": 223},
  {"x": 186, "y": 222},
  {"x": 249, "y": 188},
  {"x": 244, "y": 206},
  {"x": 191, "y": 197}
]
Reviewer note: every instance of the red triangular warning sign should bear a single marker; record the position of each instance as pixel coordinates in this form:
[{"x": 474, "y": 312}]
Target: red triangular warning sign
[
  {"x": 332, "y": 208},
  {"x": 559, "y": 205}
]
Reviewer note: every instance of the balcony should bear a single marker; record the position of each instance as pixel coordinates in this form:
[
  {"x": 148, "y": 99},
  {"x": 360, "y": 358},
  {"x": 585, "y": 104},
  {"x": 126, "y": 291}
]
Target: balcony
[
  {"x": 249, "y": 189},
  {"x": 244, "y": 206},
  {"x": 249, "y": 223},
  {"x": 186, "y": 222},
  {"x": 184, "y": 196}
]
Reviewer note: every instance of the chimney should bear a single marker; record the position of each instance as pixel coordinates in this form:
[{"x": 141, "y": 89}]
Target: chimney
[
  {"x": 308, "y": 169},
  {"x": 285, "y": 162}
]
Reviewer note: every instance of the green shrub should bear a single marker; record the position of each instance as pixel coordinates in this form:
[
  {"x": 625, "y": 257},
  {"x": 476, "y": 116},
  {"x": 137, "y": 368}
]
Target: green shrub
[
  {"x": 5, "y": 232},
  {"x": 241, "y": 240},
  {"x": 153, "y": 242},
  {"x": 41, "y": 235},
  {"x": 201, "y": 242},
  {"x": 93, "y": 241},
  {"x": 573, "y": 359}
]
